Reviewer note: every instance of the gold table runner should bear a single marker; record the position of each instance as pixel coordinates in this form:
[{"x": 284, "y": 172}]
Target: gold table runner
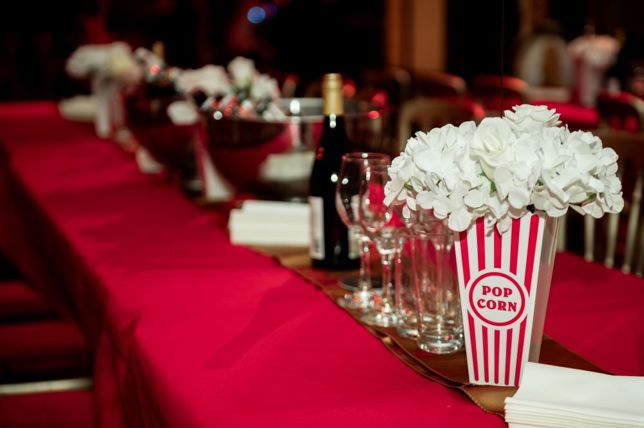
[{"x": 449, "y": 370}]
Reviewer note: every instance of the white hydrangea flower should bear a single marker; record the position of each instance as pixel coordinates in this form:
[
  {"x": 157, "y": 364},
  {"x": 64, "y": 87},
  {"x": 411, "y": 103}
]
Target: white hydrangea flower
[{"x": 505, "y": 168}]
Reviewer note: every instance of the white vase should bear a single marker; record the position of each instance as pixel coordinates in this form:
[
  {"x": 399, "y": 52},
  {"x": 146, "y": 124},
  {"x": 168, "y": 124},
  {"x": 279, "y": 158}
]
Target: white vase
[{"x": 109, "y": 109}]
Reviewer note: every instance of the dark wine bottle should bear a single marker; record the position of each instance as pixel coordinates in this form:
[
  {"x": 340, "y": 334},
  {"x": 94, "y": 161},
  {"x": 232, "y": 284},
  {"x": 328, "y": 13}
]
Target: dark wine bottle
[{"x": 330, "y": 247}]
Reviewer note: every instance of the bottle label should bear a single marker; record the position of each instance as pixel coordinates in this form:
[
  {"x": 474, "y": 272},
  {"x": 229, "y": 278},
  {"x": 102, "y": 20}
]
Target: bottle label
[{"x": 317, "y": 227}]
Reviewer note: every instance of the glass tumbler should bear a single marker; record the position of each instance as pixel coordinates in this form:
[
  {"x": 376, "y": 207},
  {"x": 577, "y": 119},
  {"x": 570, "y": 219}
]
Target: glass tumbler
[{"x": 439, "y": 320}]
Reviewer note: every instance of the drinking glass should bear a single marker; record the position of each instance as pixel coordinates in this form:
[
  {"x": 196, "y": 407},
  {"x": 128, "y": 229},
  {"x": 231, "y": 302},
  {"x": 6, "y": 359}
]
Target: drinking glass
[
  {"x": 347, "y": 196},
  {"x": 439, "y": 322},
  {"x": 376, "y": 220},
  {"x": 405, "y": 298}
]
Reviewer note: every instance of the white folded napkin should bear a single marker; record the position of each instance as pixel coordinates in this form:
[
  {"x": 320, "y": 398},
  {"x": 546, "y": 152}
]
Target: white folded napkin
[
  {"x": 284, "y": 224},
  {"x": 80, "y": 108},
  {"x": 551, "y": 396},
  {"x": 288, "y": 166}
]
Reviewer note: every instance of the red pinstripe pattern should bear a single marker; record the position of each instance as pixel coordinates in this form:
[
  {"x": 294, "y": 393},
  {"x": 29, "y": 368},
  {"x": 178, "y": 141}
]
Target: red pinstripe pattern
[
  {"x": 470, "y": 320},
  {"x": 517, "y": 374},
  {"x": 508, "y": 354}
]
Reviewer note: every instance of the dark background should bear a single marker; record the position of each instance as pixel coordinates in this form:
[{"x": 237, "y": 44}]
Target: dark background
[{"x": 308, "y": 37}]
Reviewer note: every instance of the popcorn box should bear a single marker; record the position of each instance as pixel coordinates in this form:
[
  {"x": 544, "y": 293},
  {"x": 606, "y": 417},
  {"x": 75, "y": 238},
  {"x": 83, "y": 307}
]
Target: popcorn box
[{"x": 499, "y": 280}]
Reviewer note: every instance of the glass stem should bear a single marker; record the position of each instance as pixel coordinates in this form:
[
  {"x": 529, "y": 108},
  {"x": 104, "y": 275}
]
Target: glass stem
[
  {"x": 400, "y": 244},
  {"x": 387, "y": 285},
  {"x": 365, "y": 264}
]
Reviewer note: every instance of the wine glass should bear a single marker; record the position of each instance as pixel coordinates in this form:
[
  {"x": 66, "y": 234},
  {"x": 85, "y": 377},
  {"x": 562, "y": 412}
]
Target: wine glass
[
  {"x": 347, "y": 198},
  {"x": 376, "y": 220}
]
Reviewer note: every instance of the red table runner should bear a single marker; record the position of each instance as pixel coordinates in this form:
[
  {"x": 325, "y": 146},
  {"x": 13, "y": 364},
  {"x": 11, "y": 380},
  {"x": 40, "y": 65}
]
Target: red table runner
[{"x": 193, "y": 331}]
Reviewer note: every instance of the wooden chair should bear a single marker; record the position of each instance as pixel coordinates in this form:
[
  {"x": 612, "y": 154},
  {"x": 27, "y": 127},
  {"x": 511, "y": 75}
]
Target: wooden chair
[
  {"x": 440, "y": 85},
  {"x": 289, "y": 85},
  {"x": 621, "y": 111},
  {"x": 396, "y": 82},
  {"x": 486, "y": 90},
  {"x": 624, "y": 233},
  {"x": 424, "y": 113}
]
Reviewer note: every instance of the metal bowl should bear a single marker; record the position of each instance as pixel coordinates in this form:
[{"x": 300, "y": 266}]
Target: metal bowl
[
  {"x": 275, "y": 157},
  {"x": 147, "y": 118}
]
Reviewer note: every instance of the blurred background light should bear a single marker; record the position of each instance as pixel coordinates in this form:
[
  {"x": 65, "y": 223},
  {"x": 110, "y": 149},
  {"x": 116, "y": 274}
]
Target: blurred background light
[{"x": 256, "y": 15}]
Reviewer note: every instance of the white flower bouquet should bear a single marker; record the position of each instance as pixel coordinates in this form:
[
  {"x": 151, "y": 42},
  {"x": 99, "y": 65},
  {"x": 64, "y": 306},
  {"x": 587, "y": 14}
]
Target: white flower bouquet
[
  {"x": 597, "y": 51},
  {"x": 504, "y": 168},
  {"x": 110, "y": 68},
  {"x": 242, "y": 92},
  {"x": 592, "y": 56}
]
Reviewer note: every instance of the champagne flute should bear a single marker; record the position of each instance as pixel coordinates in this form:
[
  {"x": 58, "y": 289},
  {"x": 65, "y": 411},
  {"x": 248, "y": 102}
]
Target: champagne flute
[
  {"x": 347, "y": 201},
  {"x": 376, "y": 220}
]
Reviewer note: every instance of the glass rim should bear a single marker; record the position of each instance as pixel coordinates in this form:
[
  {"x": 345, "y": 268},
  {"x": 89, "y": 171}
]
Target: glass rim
[
  {"x": 366, "y": 156},
  {"x": 377, "y": 167}
]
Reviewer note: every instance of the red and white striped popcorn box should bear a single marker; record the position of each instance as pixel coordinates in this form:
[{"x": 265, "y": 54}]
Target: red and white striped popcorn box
[{"x": 498, "y": 277}]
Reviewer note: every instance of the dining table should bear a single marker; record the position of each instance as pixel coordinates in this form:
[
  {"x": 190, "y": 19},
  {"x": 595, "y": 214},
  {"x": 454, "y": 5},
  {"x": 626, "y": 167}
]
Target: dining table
[{"x": 190, "y": 330}]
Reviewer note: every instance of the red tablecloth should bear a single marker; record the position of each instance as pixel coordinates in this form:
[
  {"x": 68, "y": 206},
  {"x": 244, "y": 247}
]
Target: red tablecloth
[{"x": 193, "y": 331}]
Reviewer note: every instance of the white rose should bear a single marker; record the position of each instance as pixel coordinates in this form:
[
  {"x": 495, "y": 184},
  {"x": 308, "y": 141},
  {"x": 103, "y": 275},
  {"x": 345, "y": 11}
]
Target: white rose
[
  {"x": 527, "y": 118},
  {"x": 492, "y": 144}
]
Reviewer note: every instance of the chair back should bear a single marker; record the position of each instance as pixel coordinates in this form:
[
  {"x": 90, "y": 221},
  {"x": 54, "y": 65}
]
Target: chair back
[
  {"x": 488, "y": 90},
  {"x": 424, "y": 113},
  {"x": 289, "y": 85},
  {"x": 623, "y": 238},
  {"x": 621, "y": 111},
  {"x": 440, "y": 85},
  {"x": 396, "y": 83}
]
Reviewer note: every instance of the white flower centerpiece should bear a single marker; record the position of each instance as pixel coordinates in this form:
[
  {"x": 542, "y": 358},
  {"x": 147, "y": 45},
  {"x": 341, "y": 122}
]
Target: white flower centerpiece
[
  {"x": 110, "y": 67},
  {"x": 114, "y": 61},
  {"x": 241, "y": 92},
  {"x": 504, "y": 168},
  {"x": 592, "y": 56},
  {"x": 234, "y": 105},
  {"x": 501, "y": 186}
]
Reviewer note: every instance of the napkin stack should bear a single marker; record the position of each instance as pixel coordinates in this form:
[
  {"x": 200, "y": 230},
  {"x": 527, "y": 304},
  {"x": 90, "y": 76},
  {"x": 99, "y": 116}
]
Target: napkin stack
[
  {"x": 552, "y": 396},
  {"x": 279, "y": 224}
]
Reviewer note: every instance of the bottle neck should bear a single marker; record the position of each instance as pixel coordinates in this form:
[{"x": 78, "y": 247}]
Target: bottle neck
[
  {"x": 334, "y": 121},
  {"x": 334, "y": 139},
  {"x": 333, "y": 103}
]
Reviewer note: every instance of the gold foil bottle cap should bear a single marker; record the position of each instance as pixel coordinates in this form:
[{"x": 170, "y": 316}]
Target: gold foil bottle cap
[{"x": 332, "y": 94}]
